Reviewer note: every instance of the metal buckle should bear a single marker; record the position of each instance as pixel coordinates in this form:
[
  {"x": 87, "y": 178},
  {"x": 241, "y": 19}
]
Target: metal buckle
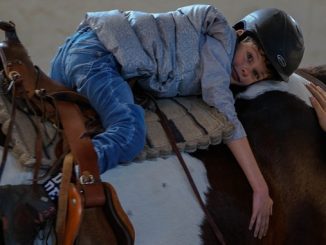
[
  {"x": 86, "y": 179},
  {"x": 14, "y": 75},
  {"x": 7, "y": 82}
]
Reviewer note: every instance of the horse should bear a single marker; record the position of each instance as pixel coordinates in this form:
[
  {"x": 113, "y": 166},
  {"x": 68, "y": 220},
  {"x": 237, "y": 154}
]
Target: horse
[{"x": 288, "y": 144}]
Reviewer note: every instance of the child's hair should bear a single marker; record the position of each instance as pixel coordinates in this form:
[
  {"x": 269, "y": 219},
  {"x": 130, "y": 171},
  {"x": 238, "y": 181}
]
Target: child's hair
[{"x": 272, "y": 73}]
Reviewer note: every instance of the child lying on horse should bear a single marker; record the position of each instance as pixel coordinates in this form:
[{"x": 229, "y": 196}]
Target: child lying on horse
[{"x": 190, "y": 51}]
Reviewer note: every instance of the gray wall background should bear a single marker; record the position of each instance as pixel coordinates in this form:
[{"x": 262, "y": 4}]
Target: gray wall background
[{"x": 43, "y": 25}]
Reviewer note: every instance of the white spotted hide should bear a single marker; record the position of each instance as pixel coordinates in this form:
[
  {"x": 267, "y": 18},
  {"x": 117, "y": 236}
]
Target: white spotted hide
[{"x": 155, "y": 194}]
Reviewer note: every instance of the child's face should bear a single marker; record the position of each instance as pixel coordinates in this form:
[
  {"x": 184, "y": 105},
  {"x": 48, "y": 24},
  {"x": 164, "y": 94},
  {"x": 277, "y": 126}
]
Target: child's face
[{"x": 248, "y": 64}]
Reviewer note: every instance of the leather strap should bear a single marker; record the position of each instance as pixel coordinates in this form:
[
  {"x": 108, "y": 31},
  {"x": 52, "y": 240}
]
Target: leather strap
[
  {"x": 165, "y": 125},
  {"x": 74, "y": 215},
  {"x": 88, "y": 175},
  {"x": 63, "y": 198}
]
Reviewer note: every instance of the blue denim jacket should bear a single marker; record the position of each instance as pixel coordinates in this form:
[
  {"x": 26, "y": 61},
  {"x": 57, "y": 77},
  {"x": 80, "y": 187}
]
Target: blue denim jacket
[{"x": 184, "y": 52}]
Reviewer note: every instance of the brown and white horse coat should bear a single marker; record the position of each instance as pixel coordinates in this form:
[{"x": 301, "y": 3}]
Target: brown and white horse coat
[{"x": 290, "y": 148}]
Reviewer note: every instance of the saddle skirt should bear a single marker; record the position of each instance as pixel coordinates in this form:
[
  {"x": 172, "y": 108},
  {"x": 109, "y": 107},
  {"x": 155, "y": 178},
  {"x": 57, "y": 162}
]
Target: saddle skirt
[{"x": 194, "y": 124}]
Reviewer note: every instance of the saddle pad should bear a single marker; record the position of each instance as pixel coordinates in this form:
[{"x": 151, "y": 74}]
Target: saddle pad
[{"x": 194, "y": 124}]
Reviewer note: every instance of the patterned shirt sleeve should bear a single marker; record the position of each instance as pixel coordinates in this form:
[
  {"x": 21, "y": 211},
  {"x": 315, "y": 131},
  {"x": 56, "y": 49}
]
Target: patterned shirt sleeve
[{"x": 215, "y": 82}]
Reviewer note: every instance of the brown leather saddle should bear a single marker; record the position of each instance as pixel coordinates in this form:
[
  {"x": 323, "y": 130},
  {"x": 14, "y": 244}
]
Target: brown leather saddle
[{"x": 83, "y": 196}]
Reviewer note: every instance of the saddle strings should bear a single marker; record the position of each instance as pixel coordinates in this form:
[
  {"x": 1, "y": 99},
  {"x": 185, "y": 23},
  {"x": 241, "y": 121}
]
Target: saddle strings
[
  {"x": 45, "y": 97},
  {"x": 38, "y": 142},
  {"x": 35, "y": 120}
]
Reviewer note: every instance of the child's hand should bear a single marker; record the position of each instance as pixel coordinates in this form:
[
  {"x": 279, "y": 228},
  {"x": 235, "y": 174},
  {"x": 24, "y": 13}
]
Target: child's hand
[
  {"x": 318, "y": 101},
  {"x": 261, "y": 210}
]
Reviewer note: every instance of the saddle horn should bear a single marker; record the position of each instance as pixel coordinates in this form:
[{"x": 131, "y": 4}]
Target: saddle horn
[
  {"x": 11, "y": 48},
  {"x": 15, "y": 62},
  {"x": 10, "y": 30}
]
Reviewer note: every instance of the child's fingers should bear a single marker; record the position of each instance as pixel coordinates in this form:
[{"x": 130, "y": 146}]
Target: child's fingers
[
  {"x": 252, "y": 221},
  {"x": 258, "y": 227},
  {"x": 261, "y": 210},
  {"x": 264, "y": 228},
  {"x": 261, "y": 224}
]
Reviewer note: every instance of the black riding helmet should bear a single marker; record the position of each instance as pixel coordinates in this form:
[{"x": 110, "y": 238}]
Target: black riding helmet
[{"x": 279, "y": 36}]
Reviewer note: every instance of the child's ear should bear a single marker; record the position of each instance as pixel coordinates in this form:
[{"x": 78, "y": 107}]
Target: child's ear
[{"x": 240, "y": 32}]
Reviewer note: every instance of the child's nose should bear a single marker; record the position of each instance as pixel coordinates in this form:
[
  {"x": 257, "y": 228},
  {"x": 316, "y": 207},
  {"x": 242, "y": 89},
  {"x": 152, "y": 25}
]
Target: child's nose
[{"x": 244, "y": 71}]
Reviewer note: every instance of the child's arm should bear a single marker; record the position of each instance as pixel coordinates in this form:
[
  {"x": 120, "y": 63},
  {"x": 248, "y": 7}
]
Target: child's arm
[{"x": 262, "y": 203}]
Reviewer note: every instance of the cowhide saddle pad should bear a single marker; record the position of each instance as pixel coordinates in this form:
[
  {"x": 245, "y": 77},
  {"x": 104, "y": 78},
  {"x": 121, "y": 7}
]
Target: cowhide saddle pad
[{"x": 194, "y": 124}]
